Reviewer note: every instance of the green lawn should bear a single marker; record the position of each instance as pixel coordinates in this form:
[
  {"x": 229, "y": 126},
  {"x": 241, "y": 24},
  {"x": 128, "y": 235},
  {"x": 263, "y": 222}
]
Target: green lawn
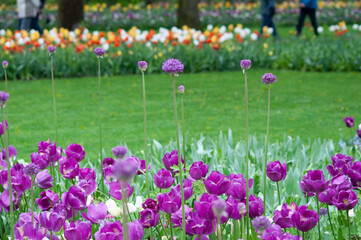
[{"x": 310, "y": 105}]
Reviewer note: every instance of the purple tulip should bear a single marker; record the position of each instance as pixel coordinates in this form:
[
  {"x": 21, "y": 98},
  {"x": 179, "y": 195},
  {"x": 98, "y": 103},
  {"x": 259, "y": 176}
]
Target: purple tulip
[
  {"x": 238, "y": 186},
  {"x": 52, "y": 152},
  {"x": 107, "y": 170},
  {"x": 163, "y": 179},
  {"x": 341, "y": 182},
  {"x": 171, "y": 160},
  {"x": 75, "y": 151},
  {"x": 358, "y": 133},
  {"x": 77, "y": 230},
  {"x": 314, "y": 181},
  {"x": 199, "y": 226},
  {"x": 276, "y": 171},
  {"x": 177, "y": 216},
  {"x": 151, "y": 204},
  {"x": 204, "y": 206},
  {"x": 349, "y": 122},
  {"x": 142, "y": 168},
  {"x": 27, "y": 229},
  {"x": 187, "y": 189},
  {"x": 52, "y": 221},
  {"x": 198, "y": 170},
  {"x": 135, "y": 230},
  {"x": 340, "y": 164},
  {"x": 47, "y": 200},
  {"x": 119, "y": 151},
  {"x": 75, "y": 198},
  {"x": 217, "y": 183},
  {"x": 39, "y": 159},
  {"x": 143, "y": 65},
  {"x": 110, "y": 230},
  {"x": 201, "y": 237},
  {"x": 69, "y": 167},
  {"x": 5, "y": 200},
  {"x": 273, "y": 233},
  {"x": 345, "y": 200},
  {"x": 96, "y": 213},
  {"x": 149, "y": 218},
  {"x": 169, "y": 202},
  {"x": 305, "y": 190},
  {"x": 305, "y": 219},
  {"x": 327, "y": 196},
  {"x": 354, "y": 173},
  {"x": 115, "y": 190},
  {"x": 283, "y": 218},
  {"x": 87, "y": 180},
  {"x": 126, "y": 169},
  {"x": 233, "y": 208},
  {"x": 261, "y": 224},
  {"x": 44, "y": 180},
  {"x": 256, "y": 207},
  {"x": 20, "y": 181}
]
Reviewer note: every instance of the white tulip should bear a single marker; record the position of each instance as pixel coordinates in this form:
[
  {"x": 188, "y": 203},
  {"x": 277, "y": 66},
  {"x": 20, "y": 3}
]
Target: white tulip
[{"x": 113, "y": 209}]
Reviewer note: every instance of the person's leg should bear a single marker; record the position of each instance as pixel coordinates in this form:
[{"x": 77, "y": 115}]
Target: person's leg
[
  {"x": 25, "y": 24},
  {"x": 35, "y": 24},
  {"x": 301, "y": 21},
  {"x": 312, "y": 14},
  {"x": 271, "y": 24},
  {"x": 265, "y": 18}
]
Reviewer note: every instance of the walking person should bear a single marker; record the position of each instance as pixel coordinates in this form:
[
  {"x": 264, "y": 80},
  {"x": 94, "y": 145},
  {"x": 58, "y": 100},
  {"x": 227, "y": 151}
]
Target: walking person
[
  {"x": 35, "y": 20},
  {"x": 268, "y": 10},
  {"x": 307, "y": 7},
  {"x": 27, "y": 11}
]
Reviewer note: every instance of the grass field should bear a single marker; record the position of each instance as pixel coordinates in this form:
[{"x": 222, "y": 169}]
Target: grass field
[{"x": 310, "y": 105}]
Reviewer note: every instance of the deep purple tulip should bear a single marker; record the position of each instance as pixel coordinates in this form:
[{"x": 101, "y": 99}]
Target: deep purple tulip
[
  {"x": 47, "y": 200},
  {"x": 119, "y": 151},
  {"x": 358, "y": 133},
  {"x": 305, "y": 190},
  {"x": 341, "y": 182},
  {"x": 340, "y": 164},
  {"x": 327, "y": 196},
  {"x": 149, "y": 218},
  {"x": 354, "y": 173},
  {"x": 75, "y": 151},
  {"x": 151, "y": 204},
  {"x": 75, "y": 198},
  {"x": 142, "y": 168},
  {"x": 256, "y": 207},
  {"x": 273, "y": 233},
  {"x": 5, "y": 200},
  {"x": 204, "y": 206},
  {"x": 169, "y": 202},
  {"x": 276, "y": 171},
  {"x": 41, "y": 160},
  {"x": 135, "y": 230},
  {"x": 163, "y": 179},
  {"x": 115, "y": 190},
  {"x": 126, "y": 168},
  {"x": 238, "y": 186},
  {"x": 52, "y": 152},
  {"x": 177, "y": 216},
  {"x": 171, "y": 160},
  {"x": 77, "y": 230},
  {"x": 283, "y": 218},
  {"x": 233, "y": 208},
  {"x": 217, "y": 183},
  {"x": 199, "y": 226},
  {"x": 20, "y": 181},
  {"x": 345, "y": 200},
  {"x": 305, "y": 219},
  {"x": 44, "y": 180},
  {"x": 64, "y": 210},
  {"x": 198, "y": 170},
  {"x": 349, "y": 122},
  {"x": 87, "y": 180},
  {"x": 187, "y": 189},
  {"x": 69, "y": 167},
  {"x": 52, "y": 221},
  {"x": 96, "y": 213},
  {"x": 143, "y": 65},
  {"x": 107, "y": 170},
  {"x": 28, "y": 229},
  {"x": 110, "y": 230},
  {"x": 314, "y": 181}
]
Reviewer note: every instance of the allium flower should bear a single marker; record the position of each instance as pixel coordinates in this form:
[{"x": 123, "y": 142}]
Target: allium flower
[
  {"x": 349, "y": 122},
  {"x": 2, "y": 130},
  {"x": 261, "y": 224},
  {"x": 269, "y": 78},
  {"x": 31, "y": 169},
  {"x": 198, "y": 170},
  {"x": 217, "y": 183},
  {"x": 69, "y": 167},
  {"x": 75, "y": 198},
  {"x": 149, "y": 218},
  {"x": 47, "y": 200},
  {"x": 51, "y": 221},
  {"x": 354, "y": 173},
  {"x": 110, "y": 230},
  {"x": 177, "y": 216},
  {"x": 219, "y": 208},
  {"x": 169, "y": 202},
  {"x": 323, "y": 211},
  {"x": 283, "y": 217},
  {"x": 246, "y": 64},
  {"x": 314, "y": 181},
  {"x": 172, "y": 66},
  {"x": 181, "y": 89},
  {"x": 99, "y": 52},
  {"x": 204, "y": 206},
  {"x": 51, "y": 49},
  {"x": 44, "y": 180},
  {"x": 96, "y": 213},
  {"x": 143, "y": 65},
  {"x": 126, "y": 169},
  {"x": 5, "y": 64},
  {"x": 256, "y": 207},
  {"x": 3, "y": 98},
  {"x": 340, "y": 165},
  {"x": 163, "y": 179},
  {"x": 119, "y": 151},
  {"x": 170, "y": 160},
  {"x": 276, "y": 171},
  {"x": 75, "y": 151},
  {"x": 305, "y": 219},
  {"x": 345, "y": 200},
  {"x": 77, "y": 230}
]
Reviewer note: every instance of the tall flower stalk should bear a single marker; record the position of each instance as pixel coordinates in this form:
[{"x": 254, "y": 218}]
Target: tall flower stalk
[
  {"x": 268, "y": 79},
  {"x": 51, "y": 50},
  {"x": 174, "y": 67},
  {"x": 181, "y": 91},
  {"x": 3, "y": 99},
  {"x": 125, "y": 212},
  {"x": 5, "y": 65},
  {"x": 31, "y": 170},
  {"x": 100, "y": 53},
  {"x": 245, "y": 65}
]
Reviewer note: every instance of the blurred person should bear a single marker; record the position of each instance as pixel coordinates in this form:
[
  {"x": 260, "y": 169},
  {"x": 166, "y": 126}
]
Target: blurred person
[
  {"x": 307, "y": 7},
  {"x": 27, "y": 11},
  {"x": 268, "y": 10},
  {"x": 35, "y": 20}
]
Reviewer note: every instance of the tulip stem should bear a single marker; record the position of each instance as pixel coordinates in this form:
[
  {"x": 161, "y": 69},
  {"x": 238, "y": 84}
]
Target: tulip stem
[
  {"x": 6, "y": 111},
  {"x": 9, "y": 176},
  {"x": 145, "y": 137},
  {"x": 348, "y": 223},
  {"x": 161, "y": 223},
  {"x": 279, "y": 194},
  {"x": 99, "y": 113},
  {"x": 247, "y": 163},
  {"x": 318, "y": 211},
  {"x": 183, "y": 131},
  {"x": 303, "y": 236},
  {"x": 266, "y": 151},
  {"x": 54, "y": 101},
  {"x": 329, "y": 220},
  {"x": 170, "y": 226},
  {"x": 32, "y": 198},
  {"x": 179, "y": 161},
  {"x": 125, "y": 214}
]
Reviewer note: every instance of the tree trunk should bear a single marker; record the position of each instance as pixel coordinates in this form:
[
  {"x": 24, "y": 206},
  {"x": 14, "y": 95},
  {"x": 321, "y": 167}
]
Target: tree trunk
[
  {"x": 188, "y": 14},
  {"x": 71, "y": 13},
  {"x": 148, "y": 2}
]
